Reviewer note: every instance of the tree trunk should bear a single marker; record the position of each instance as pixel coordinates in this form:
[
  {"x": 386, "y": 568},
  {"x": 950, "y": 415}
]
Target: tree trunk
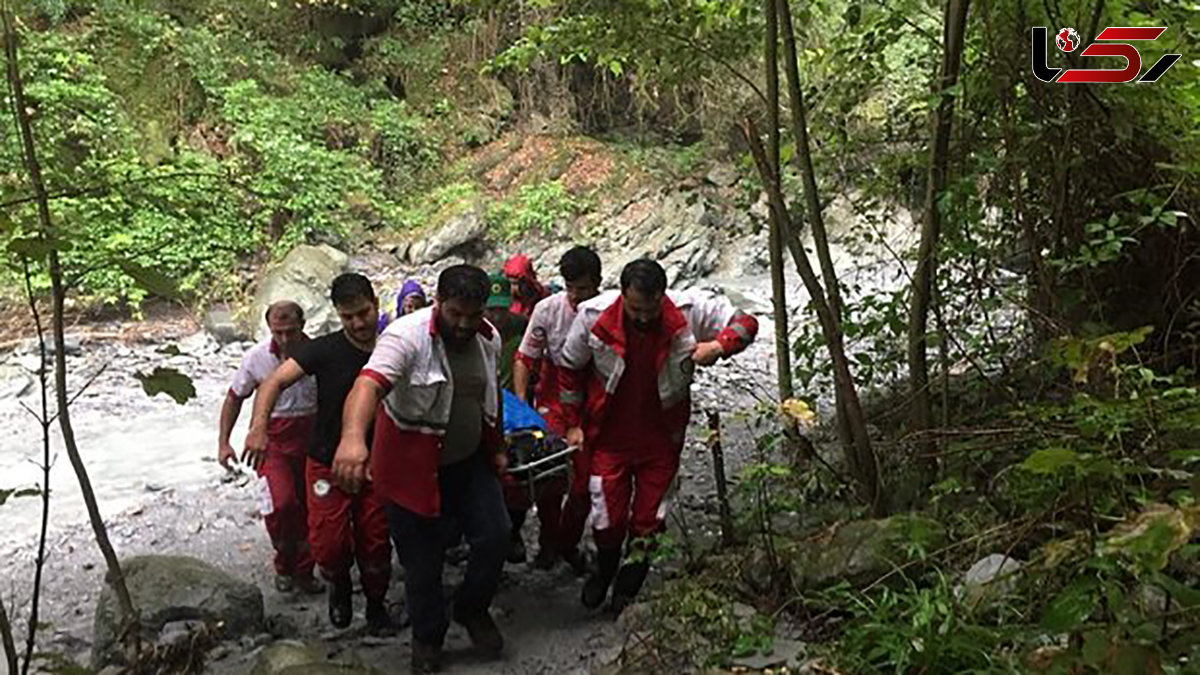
[
  {"x": 115, "y": 578},
  {"x": 860, "y": 454},
  {"x": 6, "y": 638},
  {"x": 921, "y": 414},
  {"x": 783, "y": 347}
]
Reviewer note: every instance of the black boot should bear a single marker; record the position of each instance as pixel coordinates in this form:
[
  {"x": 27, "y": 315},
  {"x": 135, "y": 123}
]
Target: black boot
[
  {"x": 340, "y": 608},
  {"x": 596, "y": 587},
  {"x": 629, "y": 582},
  {"x": 516, "y": 551},
  {"x": 379, "y": 619}
]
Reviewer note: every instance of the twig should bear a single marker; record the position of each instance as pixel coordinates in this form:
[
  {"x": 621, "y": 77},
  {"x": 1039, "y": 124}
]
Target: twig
[
  {"x": 84, "y": 388},
  {"x": 6, "y": 637}
]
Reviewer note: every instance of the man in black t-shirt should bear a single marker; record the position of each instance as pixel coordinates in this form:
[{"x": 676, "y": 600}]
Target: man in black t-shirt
[{"x": 343, "y": 527}]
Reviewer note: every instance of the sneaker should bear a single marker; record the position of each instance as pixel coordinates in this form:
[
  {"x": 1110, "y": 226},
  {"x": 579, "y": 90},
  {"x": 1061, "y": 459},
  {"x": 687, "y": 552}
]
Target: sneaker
[
  {"x": 426, "y": 658},
  {"x": 482, "y": 630},
  {"x": 545, "y": 559},
  {"x": 308, "y": 584},
  {"x": 340, "y": 608},
  {"x": 284, "y": 583},
  {"x": 379, "y": 619},
  {"x": 516, "y": 549}
]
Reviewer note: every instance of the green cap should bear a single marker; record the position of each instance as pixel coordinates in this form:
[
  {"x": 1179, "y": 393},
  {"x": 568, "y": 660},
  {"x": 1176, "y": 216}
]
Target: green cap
[{"x": 501, "y": 292}]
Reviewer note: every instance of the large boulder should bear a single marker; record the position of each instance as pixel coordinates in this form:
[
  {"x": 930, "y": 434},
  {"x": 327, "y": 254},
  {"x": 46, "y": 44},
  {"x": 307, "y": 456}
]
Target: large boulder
[
  {"x": 862, "y": 551},
  {"x": 303, "y": 276},
  {"x": 679, "y": 229},
  {"x": 463, "y": 229},
  {"x": 15, "y": 380},
  {"x": 170, "y": 589}
]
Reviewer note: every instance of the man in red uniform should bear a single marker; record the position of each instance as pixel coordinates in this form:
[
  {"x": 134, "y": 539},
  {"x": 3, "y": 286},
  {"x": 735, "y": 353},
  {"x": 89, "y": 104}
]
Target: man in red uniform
[
  {"x": 430, "y": 388},
  {"x": 625, "y": 390},
  {"x": 541, "y": 352},
  {"x": 288, "y": 431},
  {"x": 343, "y": 527}
]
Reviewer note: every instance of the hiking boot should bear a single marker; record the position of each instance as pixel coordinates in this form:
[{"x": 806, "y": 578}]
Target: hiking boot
[
  {"x": 595, "y": 589},
  {"x": 426, "y": 658},
  {"x": 545, "y": 559},
  {"x": 577, "y": 561},
  {"x": 308, "y": 584},
  {"x": 482, "y": 630},
  {"x": 340, "y": 607},
  {"x": 284, "y": 583},
  {"x": 516, "y": 549},
  {"x": 629, "y": 582},
  {"x": 379, "y": 619}
]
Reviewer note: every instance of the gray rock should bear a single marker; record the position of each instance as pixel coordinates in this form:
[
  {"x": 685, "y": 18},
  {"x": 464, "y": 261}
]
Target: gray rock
[
  {"x": 995, "y": 573},
  {"x": 462, "y": 229},
  {"x": 784, "y": 652},
  {"x": 33, "y": 363},
  {"x": 862, "y": 551},
  {"x": 15, "y": 381},
  {"x": 74, "y": 346},
  {"x": 167, "y": 589},
  {"x": 199, "y": 344},
  {"x": 221, "y": 323},
  {"x": 723, "y": 175},
  {"x": 292, "y": 657},
  {"x": 304, "y": 277},
  {"x": 176, "y": 632}
]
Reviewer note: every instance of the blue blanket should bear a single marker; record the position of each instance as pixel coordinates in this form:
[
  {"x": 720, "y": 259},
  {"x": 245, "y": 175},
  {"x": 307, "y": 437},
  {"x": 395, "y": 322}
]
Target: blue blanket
[{"x": 520, "y": 415}]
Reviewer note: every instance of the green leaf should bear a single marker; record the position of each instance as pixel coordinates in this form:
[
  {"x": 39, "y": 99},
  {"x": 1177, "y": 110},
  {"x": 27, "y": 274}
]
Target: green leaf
[
  {"x": 168, "y": 381},
  {"x": 150, "y": 280},
  {"x": 17, "y": 493},
  {"x": 1071, "y": 607},
  {"x": 1050, "y": 460}
]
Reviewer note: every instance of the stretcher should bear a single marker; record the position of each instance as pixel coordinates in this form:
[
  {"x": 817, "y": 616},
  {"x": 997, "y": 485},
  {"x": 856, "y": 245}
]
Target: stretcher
[{"x": 534, "y": 453}]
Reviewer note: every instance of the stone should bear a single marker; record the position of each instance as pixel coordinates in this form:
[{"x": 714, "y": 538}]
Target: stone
[
  {"x": 168, "y": 589},
  {"x": 862, "y": 551},
  {"x": 15, "y": 381},
  {"x": 199, "y": 344},
  {"x": 995, "y": 573},
  {"x": 175, "y": 632},
  {"x": 303, "y": 276},
  {"x": 221, "y": 323},
  {"x": 784, "y": 652},
  {"x": 460, "y": 230},
  {"x": 723, "y": 175},
  {"x": 33, "y": 363},
  {"x": 292, "y": 657}
]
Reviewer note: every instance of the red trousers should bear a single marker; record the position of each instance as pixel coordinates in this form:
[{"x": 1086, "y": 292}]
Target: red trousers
[
  {"x": 629, "y": 488},
  {"x": 578, "y": 505},
  {"x": 345, "y": 528},
  {"x": 287, "y": 524}
]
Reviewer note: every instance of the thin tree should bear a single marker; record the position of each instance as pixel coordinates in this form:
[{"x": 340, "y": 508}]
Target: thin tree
[
  {"x": 783, "y": 349},
  {"x": 921, "y": 414},
  {"x": 6, "y": 638},
  {"x": 48, "y": 236}
]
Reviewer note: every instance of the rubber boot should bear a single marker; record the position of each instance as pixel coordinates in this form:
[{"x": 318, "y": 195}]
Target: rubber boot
[{"x": 595, "y": 589}]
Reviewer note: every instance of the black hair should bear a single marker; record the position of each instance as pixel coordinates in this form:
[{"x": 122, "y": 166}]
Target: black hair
[
  {"x": 644, "y": 276},
  {"x": 580, "y": 262},
  {"x": 351, "y": 286},
  {"x": 289, "y": 306},
  {"x": 464, "y": 282}
]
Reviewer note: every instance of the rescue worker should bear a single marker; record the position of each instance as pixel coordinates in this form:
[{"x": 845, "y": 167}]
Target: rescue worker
[
  {"x": 541, "y": 352},
  {"x": 527, "y": 291},
  {"x": 436, "y": 455},
  {"x": 343, "y": 527},
  {"x": 288, "y": 425},
  {"x": 625, "y": 390}
]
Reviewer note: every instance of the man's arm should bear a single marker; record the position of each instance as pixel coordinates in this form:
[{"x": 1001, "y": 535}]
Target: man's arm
[
  {"x": 721, "y": 330},
  {"x": 231, "y": 409},
  {"x": 532, "y": 349},
  {"x": 350, "y": 460},
  {"x": 572, "y": 379},
  {"x": 287, "y": 374}
]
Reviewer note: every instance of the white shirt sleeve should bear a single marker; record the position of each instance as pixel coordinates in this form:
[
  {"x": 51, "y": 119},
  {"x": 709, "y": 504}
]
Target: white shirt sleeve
[{"x": 392, "y": 359}]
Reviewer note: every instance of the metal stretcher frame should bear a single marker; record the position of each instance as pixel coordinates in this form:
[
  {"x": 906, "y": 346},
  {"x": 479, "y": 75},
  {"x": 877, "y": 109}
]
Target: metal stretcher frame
[{"x": 527, "y": 474}]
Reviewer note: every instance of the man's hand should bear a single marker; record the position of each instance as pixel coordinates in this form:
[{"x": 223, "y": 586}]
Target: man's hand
[
  {"x": 225, "y": 453},
  {"x": 574, "y": 437},
  {"x": 350, "y": 465},
  {"x": 707, "y": 353},
  {"x": 254, "y": 452}
]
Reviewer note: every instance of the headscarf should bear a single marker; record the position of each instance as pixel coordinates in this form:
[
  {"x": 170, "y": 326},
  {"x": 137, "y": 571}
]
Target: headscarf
[
  {"x": 520, "y": 267},
  {"x": 410, "y": 287}
]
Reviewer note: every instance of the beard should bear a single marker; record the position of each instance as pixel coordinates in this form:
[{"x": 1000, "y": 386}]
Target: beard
[{"x": 645, "y": 326}]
